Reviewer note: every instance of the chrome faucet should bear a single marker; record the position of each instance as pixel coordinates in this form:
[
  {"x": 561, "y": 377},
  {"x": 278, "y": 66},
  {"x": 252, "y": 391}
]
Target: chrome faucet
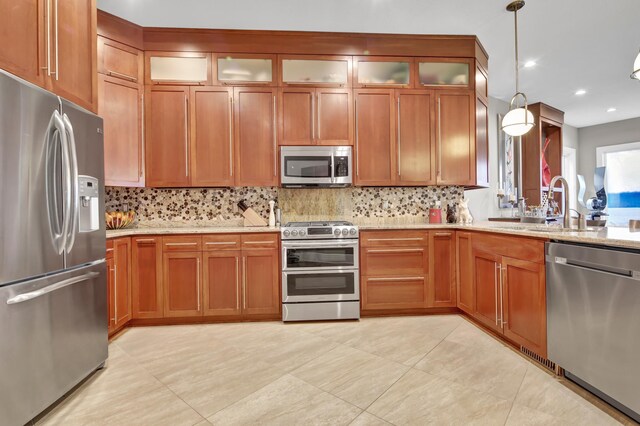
[{"x": 565, "y": 186}]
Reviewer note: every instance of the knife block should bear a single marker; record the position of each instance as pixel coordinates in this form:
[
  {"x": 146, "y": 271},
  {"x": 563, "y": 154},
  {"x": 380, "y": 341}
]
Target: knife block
[{"x": 251, "y": 218}]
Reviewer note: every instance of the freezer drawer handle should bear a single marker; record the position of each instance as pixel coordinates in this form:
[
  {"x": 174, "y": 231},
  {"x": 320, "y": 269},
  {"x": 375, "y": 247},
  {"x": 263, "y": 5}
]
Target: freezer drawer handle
[{"x": 53, "y": 287}]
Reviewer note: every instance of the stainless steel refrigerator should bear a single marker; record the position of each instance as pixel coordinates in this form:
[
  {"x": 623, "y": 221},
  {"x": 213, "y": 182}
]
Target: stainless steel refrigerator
[{"x": 53, "y": 295}]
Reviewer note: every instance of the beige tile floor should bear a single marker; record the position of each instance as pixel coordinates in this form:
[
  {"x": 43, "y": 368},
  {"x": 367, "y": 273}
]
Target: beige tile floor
[{"x": 378, "y": 371}]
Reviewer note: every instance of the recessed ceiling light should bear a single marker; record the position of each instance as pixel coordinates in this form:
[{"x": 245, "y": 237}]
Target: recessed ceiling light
[
  {"x": 612, "y": 109},
  {"x": 580, "y": 92},
  {"x": 530, "y": 64}
]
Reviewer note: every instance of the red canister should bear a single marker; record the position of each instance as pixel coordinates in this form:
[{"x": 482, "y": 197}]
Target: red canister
[{"x": 435, "y": 215}]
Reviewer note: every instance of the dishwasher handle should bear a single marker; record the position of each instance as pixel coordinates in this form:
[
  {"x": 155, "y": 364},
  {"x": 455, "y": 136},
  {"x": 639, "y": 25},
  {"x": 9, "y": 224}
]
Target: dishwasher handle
[{"x": 618, "y": 272}]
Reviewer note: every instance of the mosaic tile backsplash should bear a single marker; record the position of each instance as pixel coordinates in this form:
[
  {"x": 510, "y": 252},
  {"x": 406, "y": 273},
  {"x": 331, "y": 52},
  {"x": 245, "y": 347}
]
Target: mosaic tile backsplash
[{"x": 218, "y": 206}]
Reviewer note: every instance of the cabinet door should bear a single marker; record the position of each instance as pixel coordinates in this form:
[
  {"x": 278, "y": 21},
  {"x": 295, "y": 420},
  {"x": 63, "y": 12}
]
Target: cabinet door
[
  {"x": 167, "y": 136},
  {"x": 122, "y": 299},
  {"x": 74, "y": 36},
  {"x": 182, "y": 284},
  {"x": 221, "y": 282},
  {"x": 524, "y": 304},
  {"x": 416, "y": 153},
  {"x": 260, "y": 282},
  {"x": 146, "y": 277},
  {"x": 382, "y": 293},
  {"x": 255, "y": 136},
  {"x": 455, "y": 112},
  {"x": 120, "y": 106},
  {"x": 211, "y": 136},
  {"x": 111, "y": 280},
  {"x": 297, "y": 116},
  {"x": 22, "y": 38},
  {"x": 442, "y": 282},
  {"x": 464, "y": 272},
  {"x": 486, "y": 270},
  {"x": 334, "y": 112},
  {"x": 120, "y": 61},
  {"x": 375, "y": 124}
]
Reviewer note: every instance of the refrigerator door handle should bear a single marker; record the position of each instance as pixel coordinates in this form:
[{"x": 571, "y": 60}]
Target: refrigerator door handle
[
  {"x": 24, "y": 297},
  {"x": 73, "y": 218},
  {"x": 54, "y": 131}
]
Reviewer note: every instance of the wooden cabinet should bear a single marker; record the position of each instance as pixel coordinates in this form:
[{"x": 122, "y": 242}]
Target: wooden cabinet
[
  {"x": 222, "y": 282},
  {"x": 255, "y": 136},
  {"x": 374, "y": 137},
  {"x": 181, "y": 277},
  {"x": 415, "y": 133},
  {"x": 211, "y": 135},
  {"x": 52, "y": 43},
  {"x": 487, "y": 285},
  {"x": 167, "y": 136},
  {"x": 260, "y": 274},
  {"x": 442, "y": 279},
  {"x": 316, "y": 70},
  {"x": 455, "y": 115},
  {"x": 120, "y": 104},
  {"x": 118, "y": 283},
  {"x": 394, "y": 270},
  {"x": 146, "y": 265},
  {"x": 309, "y": 116},
  {"x": 120, "y": 61},
  {"x": 178, "y": 68},
  {"x": 464, "y": 272}
]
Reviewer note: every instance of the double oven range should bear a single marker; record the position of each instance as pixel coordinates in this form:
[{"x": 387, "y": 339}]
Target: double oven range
[{"x": 320, "y": 271}]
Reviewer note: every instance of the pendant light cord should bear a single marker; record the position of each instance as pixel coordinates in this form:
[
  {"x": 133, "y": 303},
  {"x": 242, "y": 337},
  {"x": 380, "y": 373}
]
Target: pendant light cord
[{"x": 515, "y": 14}]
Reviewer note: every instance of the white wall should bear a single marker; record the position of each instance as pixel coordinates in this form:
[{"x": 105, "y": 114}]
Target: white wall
[
  {"x": 606, "y": 134},
  {"x": 483, "y": 203}
]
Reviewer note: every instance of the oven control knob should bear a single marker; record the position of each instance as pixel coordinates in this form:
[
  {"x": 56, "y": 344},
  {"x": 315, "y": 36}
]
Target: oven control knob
[
  {"x": 294, "y": 233},
  {"x": 303, "y": 232},
  {"x": 345, "y": 232},
  {"x": 286, "y": 233},
  {"x": 352, "y": 231},
  {"x": 336, "y": 232}
]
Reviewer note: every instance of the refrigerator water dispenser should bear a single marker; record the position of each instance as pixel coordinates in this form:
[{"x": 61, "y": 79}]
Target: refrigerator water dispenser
[{"x": 89, "y": 206}]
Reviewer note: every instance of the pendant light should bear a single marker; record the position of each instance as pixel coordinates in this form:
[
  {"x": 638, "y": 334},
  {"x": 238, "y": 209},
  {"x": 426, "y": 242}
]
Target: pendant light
[
  {"x": 519, "y": 119},
  {"x": 636, "y": 68}
]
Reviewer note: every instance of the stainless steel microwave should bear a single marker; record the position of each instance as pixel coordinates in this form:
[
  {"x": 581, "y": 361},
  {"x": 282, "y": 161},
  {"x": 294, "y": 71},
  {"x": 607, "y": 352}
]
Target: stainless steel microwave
[{"x": 315, "y": 166}]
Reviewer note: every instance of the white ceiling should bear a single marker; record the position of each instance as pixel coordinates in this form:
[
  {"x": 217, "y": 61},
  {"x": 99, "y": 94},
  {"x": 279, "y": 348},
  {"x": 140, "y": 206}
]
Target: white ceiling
[{"x": 577, "y": 44}]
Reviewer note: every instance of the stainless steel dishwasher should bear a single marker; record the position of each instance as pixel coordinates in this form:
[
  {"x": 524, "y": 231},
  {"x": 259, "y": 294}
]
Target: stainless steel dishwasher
[{"x": 593, "y": 320}]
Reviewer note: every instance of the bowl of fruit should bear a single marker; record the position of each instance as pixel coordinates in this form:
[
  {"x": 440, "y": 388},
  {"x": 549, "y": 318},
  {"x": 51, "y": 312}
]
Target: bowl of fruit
[{"x": 119, "y": 219}]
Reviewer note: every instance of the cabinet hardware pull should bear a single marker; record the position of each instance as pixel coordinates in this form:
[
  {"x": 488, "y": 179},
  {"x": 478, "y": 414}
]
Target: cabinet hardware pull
[
  {"x": 141, "y": 149},
  {"x": 180, "y": 244},
  {"x": 115, "y": 293},
  {"x": 48, "y": 30},
  {"x": 397, "y": 251},
  {"x": 397, "y": 239},
  {"x": 244, "y": 282},
  {"x": 237, "y": 284},
  {"x": 396, "y": 279},
  {"x": 198, "y": 282},
  {"x": 275, "y": 140},
  {"x": 259, "y": 242},
  {"x": 443, "y": 234},
  {"x": 318, "y": 107},
  {"x": 231, "y": 135},
  {"x": 398, "y": 126},
  {"x": 355, "y": 106},
  {"x": 109, "y": 249},
  {"x": 186, "y": 136},
  {"x": 313, "y": 118},
  {"x": 216, "y": 243},
  {"x": 503, "y": 270},
  {"x": 119, "y": 74},
  {"x": 439, "y": 140},
  {"x": 145, "y": 240},
  {"x": 56, "y": 43},
  {"x": 495, "y": 284}
]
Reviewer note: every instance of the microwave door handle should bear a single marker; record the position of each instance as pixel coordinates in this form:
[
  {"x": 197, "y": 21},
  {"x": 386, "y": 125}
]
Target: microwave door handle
[{"x": 333, "y": 168}]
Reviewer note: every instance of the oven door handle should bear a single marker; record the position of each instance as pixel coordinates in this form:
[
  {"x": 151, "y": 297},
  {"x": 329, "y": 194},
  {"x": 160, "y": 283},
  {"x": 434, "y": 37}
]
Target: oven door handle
[{"x": 318, "y": 245}]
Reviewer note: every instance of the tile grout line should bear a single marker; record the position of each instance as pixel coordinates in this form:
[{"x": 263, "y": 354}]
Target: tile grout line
[{"x": 524, "y": 376}]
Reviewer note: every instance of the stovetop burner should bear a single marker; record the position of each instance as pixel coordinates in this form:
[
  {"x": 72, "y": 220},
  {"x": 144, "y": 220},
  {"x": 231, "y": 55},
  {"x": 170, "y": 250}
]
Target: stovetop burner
[{"x": 317, "y": 224}]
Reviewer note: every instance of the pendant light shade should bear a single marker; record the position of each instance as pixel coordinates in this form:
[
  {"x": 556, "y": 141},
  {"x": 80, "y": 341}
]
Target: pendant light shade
[
  {"x": 636, "y": 68},
  {"x": 519, "y": 119}
]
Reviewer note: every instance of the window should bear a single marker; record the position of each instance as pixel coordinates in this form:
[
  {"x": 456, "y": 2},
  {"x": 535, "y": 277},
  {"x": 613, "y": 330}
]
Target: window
[
  {"x": 569, "y": 172},
  {"x": 622, "y": 181}
]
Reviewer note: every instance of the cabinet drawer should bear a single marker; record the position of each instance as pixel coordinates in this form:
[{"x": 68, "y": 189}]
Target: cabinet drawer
[
  {"x": 221, "y": 242},
  {"x": 394, "y": 292},
  {"x": 250, "y": 241},
  {"x": 395, "y": 261},
  {"x": 394, "y": 238},
  {"x": 181, "y": 243},
  {"x": 524, "y": 248}
]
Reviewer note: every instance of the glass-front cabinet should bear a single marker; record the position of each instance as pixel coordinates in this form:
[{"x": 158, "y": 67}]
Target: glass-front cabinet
[
  {"x": 445, "y": 72},
  {"x": 245, "y": 69},
  {"x": 382, "y": 72},
  {"x": 191, "y": 68},
  {"x": 316, "y": 70}
]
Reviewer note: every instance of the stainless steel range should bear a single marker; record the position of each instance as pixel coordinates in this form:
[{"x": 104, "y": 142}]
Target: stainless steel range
[{"x": 320, "y": 271}]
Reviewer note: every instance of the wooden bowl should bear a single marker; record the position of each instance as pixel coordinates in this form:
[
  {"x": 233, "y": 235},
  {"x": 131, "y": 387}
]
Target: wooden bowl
[{"x": 119, "y": 220}]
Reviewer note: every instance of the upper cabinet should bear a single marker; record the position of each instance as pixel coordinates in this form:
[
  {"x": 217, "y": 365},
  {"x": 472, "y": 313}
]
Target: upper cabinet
[
  {"x": 444, "y": 72},
  {"x": 52, "y": 43},
  {"x": 246, "y": 69},
  {"x": 382, "y": 71},
  {"x": 329, "y": 71},
  {"x": 119, "y": 60},
  {"x": 190, "y": 68}
]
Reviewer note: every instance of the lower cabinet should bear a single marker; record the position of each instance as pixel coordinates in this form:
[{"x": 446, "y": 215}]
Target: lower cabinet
[
  {"x": 442, "y": 255},
  {"x": 221, "y": 277},
  {"x": 181, "y": 277},
  {"x": 118, "y": 283},
  {"x": 147, "y": 295},
  {"x": 507, "y": 290}
]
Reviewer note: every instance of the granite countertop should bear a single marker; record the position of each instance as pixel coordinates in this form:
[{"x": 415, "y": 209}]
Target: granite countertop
[{"x": 615, "y": 237}]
